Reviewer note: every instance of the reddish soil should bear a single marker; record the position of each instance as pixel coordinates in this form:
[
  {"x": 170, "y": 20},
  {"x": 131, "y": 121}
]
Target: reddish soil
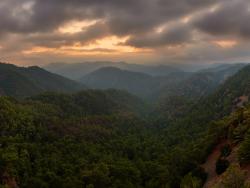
[
  {"x": 210, "y": 165},
  {"x": 8, "y": 180},
  {"x": 247, "y": 169}
]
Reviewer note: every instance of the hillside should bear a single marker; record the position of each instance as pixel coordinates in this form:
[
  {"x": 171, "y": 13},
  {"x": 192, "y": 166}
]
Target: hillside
[
  {"x": 233, "y": 93},
  {"x": 98, "y": 138},
  {"x": 233, "y": 151},
  {"x": 228, "y": 163},
  {"x": 230, "y": 68},
  {"x": 182, "y": 84},
  {"x": 111, "y": 77},
  {"x": 194, "y": 131},
  {"x": 93, "y": 102},
  {"x": 202, "y": 83},
  {"x": 78, "y": 140},
  {"x": 195, "y": 86},
  {"x": 204, "y": 91},
  {"x": 22, "y": 82}
]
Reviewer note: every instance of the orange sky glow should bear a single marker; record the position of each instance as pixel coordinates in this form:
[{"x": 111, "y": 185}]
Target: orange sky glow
[{"x": 107, "y": 45}]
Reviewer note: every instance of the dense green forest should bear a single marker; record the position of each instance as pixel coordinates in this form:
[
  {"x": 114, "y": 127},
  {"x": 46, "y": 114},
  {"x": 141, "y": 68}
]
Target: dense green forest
[
  {"x": 111, "y": 138},
  {"x": 26, "y": 81}
]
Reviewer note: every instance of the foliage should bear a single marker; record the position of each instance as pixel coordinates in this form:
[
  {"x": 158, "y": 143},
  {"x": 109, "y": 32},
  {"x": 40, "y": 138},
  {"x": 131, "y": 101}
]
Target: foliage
[
  {"x": 22, "y": 82},
  {"x": 101, "y": 139},
  {"x": 190, "y": 182},
  {"x": 244, "y": 150}
]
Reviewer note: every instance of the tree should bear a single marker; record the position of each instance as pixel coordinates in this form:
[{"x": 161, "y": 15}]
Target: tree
[
  {"x": 190, "y": 181},
  {"x": 244, "y": 150}
]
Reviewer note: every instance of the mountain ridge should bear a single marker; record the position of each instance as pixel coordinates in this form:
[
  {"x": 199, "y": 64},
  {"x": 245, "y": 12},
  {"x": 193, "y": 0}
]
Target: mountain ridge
[
  {"x": 77, "y": 70},
  {"x": 25, "y": 81}
]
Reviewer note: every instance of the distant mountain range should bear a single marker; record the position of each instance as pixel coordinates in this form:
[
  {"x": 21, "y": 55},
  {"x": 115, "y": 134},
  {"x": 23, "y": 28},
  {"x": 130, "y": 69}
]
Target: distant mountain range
[
  {"x": 186, "y": 84},
  {"x": 140, "y": 84},
  {"x": 150, "y": 82},
  {"x": 21, "y": 82},
  {"x": 203, "y": 82},
  {"x": 78, "y": 70},
  {"x": 224, "y": 71},
  {"x": 233, "y": 93},
  {"x": 111, "y": 77}
]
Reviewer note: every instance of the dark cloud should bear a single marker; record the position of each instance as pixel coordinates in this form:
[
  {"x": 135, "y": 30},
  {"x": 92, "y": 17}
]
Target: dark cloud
[
  {"x": 231, "y": 18},
  {"x": 121, "y": 16},
  {"x": 177, "y": 35},
  {"x": 36, "y": 22},
  {"x": 55, "y": 39},
  {"x": 130, "y": 17}
]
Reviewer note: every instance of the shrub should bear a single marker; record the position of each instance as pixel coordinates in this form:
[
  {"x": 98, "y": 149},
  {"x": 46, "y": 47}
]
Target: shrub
[{"x": 226, "y": 150}]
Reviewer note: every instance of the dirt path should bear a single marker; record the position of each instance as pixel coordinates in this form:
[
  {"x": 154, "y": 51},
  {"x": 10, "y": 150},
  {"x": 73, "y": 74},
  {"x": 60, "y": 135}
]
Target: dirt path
[{"x": 210, "y": 165}]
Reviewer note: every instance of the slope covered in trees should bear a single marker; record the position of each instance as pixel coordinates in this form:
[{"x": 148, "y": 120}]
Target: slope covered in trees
[
  {"x": 182, "y": 84},
  {"x": 103, "y": 138},
  {"x": 45, "y": 144},
  {"x": 21, "y": 82},
  {"x": 111, "y": 77},
  {"x": 232, "y": 163},
  {"x": 93, "y": 102}
]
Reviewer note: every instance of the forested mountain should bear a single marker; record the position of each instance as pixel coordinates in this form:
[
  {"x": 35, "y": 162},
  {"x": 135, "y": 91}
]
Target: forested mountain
[
  {"x": 228, "y": 163},
  {"x": 196, "y": 124},
  {"x": 228, "y": 159},
  {"x": 182, "y": 84},
  {"x": 78, "y": 70},
  {"x": 93, "y": 102},
  {"x": 103, "y": 138},
  {"x": 153, "y": 70},
  {"x": 140, "y": 84},
  {"x": 111, "y": 77},
  {"x": 229, "y": 68},
  {"x": 234, "y": 92},
  {"x": 81, "y": 140},
  {"x": 201, "y": 83},
  {"x": 21, "y": 82},
  {"x": 193, "y": 87},
  {"x": 125, "y": 94}
]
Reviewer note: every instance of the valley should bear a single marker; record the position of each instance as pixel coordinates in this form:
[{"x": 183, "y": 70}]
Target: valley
[
  {"x": 107, "y": 137},
  {"x": 124, "y": 94}
]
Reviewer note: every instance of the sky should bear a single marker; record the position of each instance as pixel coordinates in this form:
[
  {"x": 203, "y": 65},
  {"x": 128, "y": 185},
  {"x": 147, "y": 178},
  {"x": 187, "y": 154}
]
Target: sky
[{"x": 39, "y": 32}]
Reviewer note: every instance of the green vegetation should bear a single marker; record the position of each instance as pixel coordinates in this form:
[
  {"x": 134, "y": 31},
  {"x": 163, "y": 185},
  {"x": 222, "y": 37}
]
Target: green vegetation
[
  {"x": 90, "y": 139},
  {"x": 111, "y": 139},
  {"x": 226, "y": 150},
  {"x": 234, "y": 177},
  {"x": 22, "y": 82},
  {"x": 244, "y": 150},
  {"x": 190, "y": 182}
]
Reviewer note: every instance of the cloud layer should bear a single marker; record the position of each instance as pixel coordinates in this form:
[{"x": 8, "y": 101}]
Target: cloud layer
[{"x": 164, "y": 30}]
